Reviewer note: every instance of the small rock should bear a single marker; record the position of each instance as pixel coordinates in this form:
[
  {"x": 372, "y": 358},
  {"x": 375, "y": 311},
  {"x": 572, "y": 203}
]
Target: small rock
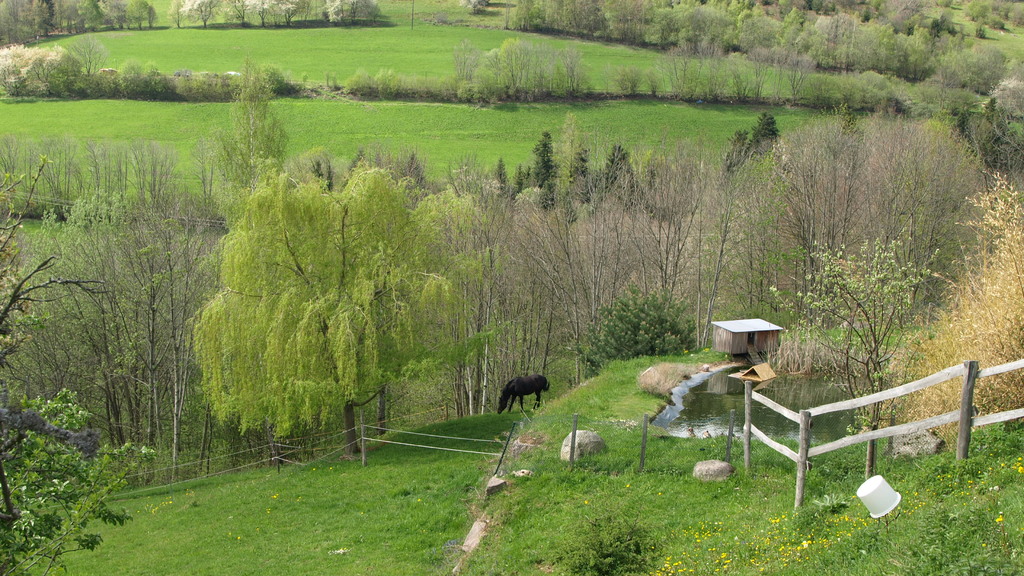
[
  {"x": 712, "y": 470},
  {"x": 521, "y": 473},
  {"x": 587, "y": 442},
  {"x": 495, "y": 485}
]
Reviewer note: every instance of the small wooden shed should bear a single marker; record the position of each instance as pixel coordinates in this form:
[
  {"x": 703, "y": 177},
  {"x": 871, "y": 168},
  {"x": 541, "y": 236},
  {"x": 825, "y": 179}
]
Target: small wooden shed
[{"x": 745, "y": 336}]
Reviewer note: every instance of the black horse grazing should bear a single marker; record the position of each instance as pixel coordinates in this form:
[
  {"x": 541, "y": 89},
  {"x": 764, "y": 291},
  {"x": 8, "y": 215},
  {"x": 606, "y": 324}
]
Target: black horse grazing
[{"x": 520, "y": 387}]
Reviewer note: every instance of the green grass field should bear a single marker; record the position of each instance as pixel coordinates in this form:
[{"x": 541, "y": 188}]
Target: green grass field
[
  {"x": 400, "y": 514},
  {"x": 392, "y": 517},
  {"x": 309, "y": 54},
  {"x": 442, "y": 134}
]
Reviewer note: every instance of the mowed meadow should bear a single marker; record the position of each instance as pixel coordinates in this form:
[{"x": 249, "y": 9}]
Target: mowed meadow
[
  {"x": 310, "y": 54},
  {"x": 442, "y": 134}
]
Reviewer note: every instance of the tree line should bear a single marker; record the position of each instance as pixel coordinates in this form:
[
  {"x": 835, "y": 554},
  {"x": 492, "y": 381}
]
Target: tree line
[
  {"x": 902, "y": 39},
  {"x": 23, "y": 21}
]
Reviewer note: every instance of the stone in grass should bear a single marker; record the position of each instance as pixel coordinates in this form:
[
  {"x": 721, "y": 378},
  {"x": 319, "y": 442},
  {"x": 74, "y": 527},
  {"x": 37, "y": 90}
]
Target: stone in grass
[
  {"x": 712, "y": 470},
  {"x": 495, "y": 485},
  {"x": 587, "y": 442},
  {"x": 476, "y": 534}
]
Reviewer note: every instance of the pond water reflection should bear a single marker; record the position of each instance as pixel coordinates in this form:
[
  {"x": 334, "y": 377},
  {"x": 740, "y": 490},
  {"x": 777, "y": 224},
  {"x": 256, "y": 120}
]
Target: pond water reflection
[{"x": 702, "y": 404}]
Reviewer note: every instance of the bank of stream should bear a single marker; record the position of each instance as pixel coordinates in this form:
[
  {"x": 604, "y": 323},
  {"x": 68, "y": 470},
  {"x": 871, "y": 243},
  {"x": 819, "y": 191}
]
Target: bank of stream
[{"x": 700, "y": 406}]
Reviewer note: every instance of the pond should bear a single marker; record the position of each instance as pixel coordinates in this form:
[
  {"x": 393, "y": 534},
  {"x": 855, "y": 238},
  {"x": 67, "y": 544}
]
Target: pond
[{"x": 700, "y": 406}]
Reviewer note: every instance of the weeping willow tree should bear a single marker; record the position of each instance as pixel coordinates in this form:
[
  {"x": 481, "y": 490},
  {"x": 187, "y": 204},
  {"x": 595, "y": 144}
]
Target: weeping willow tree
[{"x": 321, "y": 294}]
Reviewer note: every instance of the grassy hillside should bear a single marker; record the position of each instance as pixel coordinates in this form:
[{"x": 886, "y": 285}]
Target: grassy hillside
[
  {"x": 399, "y": 515},
  {"x": 392, "y": 517},
  {"x": 442, "y": 134}
]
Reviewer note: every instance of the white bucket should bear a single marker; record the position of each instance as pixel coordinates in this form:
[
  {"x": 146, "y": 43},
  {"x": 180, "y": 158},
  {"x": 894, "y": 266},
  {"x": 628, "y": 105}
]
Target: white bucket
[{"x": 878, "y": 496}]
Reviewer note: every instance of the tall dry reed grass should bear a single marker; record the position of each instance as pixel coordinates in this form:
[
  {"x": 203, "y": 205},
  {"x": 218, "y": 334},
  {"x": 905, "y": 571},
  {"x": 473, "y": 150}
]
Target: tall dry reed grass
[
  {"x": 984, "y": 320},
  {"x": 800, "y": 352}
]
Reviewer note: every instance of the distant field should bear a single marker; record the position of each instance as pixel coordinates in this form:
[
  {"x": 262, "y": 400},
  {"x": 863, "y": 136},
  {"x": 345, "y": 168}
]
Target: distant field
[
  {"x": 442, "y": 134},
  {"x": 398, "y": 11},
  {"x": 493, "y": 15},
  {"x": 312, "y": 53}
]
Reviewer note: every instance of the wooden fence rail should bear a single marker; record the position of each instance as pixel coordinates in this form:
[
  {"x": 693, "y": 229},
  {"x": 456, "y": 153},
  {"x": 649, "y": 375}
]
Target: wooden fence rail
[{"x": 965, "y": 415}]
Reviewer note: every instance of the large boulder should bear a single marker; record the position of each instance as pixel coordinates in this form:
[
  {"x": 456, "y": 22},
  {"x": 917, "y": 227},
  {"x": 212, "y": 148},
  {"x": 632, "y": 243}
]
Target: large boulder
[
  {"x": 712, "y": 470},
  {"x": 918, "y": 444},
  {"x": 587, "y": 442},
  {"x": 660, "y": 379}
]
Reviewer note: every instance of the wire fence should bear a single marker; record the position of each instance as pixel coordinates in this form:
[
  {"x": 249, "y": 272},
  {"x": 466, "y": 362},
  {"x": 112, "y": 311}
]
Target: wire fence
[
  {"x": 539, "y": 442},
  {"x": 428, "y": 446},
  {"x": 303, "y": 450},
  {"x": 533, "y": 443},
  {"x": 165, "y": 479}
]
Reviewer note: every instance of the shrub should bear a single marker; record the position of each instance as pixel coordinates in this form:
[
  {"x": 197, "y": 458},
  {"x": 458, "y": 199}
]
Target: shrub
[
  {"x": 609, "y": 545},
  {"x": 628, "y": 79},
  {"x": 450, "y": 88},
  {"x": 279, "y": 83},
  {"x": 389, "y": 85},
  {"x": 640, "y": 325},
  {"x": 145, "y": 83},
  {"x": 653, "y": 78},
  {"x": 66, "y": 79},
  {"x": 361, "y": 84}
]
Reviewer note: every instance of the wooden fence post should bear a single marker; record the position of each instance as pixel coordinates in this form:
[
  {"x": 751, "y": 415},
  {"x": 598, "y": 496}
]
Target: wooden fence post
[
  {"x": 748, "y": 391},
  {"x": 643, "y": 446},
  {"x": 572, "y": 441},
  {"x": 728, "y": 442},
  {"x": 802, "y": 460},
  {"x": 963, "y": 439}
]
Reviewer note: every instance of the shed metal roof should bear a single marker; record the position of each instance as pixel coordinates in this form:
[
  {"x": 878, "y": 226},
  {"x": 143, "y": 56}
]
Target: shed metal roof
[{"x": 749, "y": 325}]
